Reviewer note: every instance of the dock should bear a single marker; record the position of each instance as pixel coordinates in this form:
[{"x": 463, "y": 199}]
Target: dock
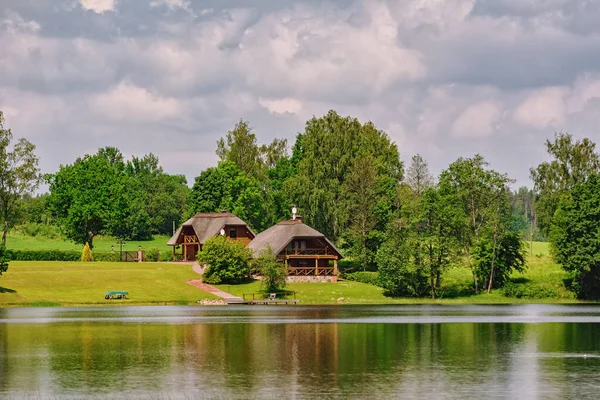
[{"x": 263, "y": 299}]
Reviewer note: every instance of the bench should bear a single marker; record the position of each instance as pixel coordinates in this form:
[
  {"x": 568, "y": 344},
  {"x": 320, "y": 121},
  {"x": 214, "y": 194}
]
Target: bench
[{"x": 118, "y": 294}]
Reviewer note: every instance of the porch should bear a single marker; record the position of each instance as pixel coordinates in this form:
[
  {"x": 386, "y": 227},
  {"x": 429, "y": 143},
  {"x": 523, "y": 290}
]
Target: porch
[{"x": 311, "y": 262}]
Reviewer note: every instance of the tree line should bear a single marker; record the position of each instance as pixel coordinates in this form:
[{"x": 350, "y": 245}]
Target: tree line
[{"x": 348, "y": 181}]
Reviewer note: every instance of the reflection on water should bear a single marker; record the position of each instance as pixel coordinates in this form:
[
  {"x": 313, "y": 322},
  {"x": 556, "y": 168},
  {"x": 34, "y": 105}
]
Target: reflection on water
[{"x": 301, "y": 352}]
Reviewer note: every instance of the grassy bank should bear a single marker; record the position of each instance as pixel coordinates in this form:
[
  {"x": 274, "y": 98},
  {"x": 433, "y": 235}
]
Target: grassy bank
[
  {"x": 75, "y": 283},
  {"x": 101, "y": 243}
]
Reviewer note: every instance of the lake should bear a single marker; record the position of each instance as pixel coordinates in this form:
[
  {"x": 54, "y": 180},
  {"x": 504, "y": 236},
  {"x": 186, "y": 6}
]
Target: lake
[{"x": 403, "y": 351}]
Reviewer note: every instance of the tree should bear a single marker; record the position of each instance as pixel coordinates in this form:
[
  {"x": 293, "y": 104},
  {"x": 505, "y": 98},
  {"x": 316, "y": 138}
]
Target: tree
[
  {"x": 325, "y": 154},
  {"x": 86, "y": 254},
  {"x": 3, "y": 261},
  {"x": 477, "y": 190},
  {"x": 88, "y": 197},
  {"x": 272, "y": 271},
  {"x": 19, "y": 175},
  {"x": 494, "y": 262},
  {"x": 575, "y": 237},
  {"x": 362, "y": 192},
  {"x": 228, "y": 261},
  {"x": 226, "y": 187},
  {"x": 418, "y": 176},
  {"x": 573, "y": 161}
]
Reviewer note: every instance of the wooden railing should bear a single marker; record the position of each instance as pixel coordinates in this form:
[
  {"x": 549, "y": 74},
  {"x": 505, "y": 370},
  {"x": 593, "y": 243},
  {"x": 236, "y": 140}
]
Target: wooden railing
[
  {"x": 269, "y": 296},
  {"x": 307, "y": 252},
  {"x": 310, "y": 271}
]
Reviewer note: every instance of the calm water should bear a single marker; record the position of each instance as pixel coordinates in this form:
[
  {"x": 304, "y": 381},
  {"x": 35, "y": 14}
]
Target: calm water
[{"x": 516, "y": 352}]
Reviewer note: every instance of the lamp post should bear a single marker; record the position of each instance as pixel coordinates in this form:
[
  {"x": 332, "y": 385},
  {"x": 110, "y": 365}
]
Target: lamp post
[{"x": 121, "y": 244}]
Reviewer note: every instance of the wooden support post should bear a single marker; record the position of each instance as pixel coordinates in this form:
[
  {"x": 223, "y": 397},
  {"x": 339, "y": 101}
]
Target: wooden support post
[
  {"x": 184, "y": 251},
  {"x": 174, "y": 259},
  {"x": 335, "y": 270},
  {"x": 316, "y": 266},
  {"x": 286, "y": 266}
]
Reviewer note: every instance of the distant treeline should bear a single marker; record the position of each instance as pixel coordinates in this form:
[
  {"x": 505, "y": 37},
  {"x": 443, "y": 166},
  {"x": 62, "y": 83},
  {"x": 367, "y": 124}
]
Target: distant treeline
[{"x": 348, "y": 181}]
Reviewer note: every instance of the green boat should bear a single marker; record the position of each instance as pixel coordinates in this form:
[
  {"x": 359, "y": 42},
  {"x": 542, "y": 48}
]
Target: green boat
[{"x": 116, "y": 295}]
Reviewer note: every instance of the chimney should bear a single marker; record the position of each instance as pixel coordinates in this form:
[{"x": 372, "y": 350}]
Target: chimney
[{"x": 294, "y": 211}]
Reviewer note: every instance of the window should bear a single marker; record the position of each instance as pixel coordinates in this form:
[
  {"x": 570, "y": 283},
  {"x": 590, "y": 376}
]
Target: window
[{"x": 233, "y": 233}]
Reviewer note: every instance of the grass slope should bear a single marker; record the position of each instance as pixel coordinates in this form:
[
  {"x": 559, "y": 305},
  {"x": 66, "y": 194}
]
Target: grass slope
[
  {"x": 101, "y": 243},
  {"x": 75, "y": 283}
]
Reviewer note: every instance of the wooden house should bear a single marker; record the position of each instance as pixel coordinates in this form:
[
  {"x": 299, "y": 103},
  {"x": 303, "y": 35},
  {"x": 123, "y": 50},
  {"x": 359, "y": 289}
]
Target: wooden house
[
  {"x": 192, "y": 234},
  {"x": 304, "y": 250}
]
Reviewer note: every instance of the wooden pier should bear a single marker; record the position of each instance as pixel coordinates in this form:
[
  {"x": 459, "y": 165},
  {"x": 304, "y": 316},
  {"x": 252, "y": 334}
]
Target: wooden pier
[{"x": 264, "y": 299}]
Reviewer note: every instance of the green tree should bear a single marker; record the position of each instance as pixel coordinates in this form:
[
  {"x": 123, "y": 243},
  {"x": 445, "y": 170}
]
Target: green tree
[
  {"x": 325, "y": 154},
  {"x": 272, "y": 271},
  {"x": 228, "y": 261},
  {"x": 226, "y": 187},
  {"x": 573, "y": 161},
  {"x": 494, "y": 262},
  {"x": 19, "y": 175},
  {"x": 477, "y": 189},
  {"x": 88, "y": 197},
  {"x": 3, "y": 261},
  {"x": 575, "y": 237},
  {"x": 362, "y": 191}
]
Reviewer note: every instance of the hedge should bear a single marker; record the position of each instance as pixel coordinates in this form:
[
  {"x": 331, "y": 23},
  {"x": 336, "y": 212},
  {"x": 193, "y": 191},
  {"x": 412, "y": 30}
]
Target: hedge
[
  {"x": 372, "y": 278},
  {"x": 43, "y": 255}
]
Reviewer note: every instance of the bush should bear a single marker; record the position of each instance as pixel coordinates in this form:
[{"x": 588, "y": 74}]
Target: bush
[
  {"x": 228, "y": 261},
  {"x": 106, "y": 256},
  {"x": 152, "y": 255},
  {"x": 529, "y": 291},
  {"x": 39, "y": 230},
  {"x": 3, "y": 261},
  {"x": 86, "y": 254},
  {"x": 42, "y": 255},
  {"x": 371, "y": 278},
  {"x": 273, "y": 272}
]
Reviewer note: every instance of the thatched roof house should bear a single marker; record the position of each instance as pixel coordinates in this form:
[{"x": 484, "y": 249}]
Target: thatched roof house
[
  {"x": 304, "y": 250},
  {"x": 192, "y": 234}
]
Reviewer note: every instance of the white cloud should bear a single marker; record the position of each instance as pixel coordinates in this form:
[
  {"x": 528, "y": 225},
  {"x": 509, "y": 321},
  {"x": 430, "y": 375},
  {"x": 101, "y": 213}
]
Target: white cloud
[
  {"x": 543, "y": 108},
  {"x": 98, "y": 6},
  {"x": 477, "y": 120},
  {"x": 280, "y": 106},
  {"x": 132, "y": 103}
]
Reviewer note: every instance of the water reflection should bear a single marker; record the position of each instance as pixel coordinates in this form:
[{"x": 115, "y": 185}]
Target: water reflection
[{"x": 290, "y": 352}]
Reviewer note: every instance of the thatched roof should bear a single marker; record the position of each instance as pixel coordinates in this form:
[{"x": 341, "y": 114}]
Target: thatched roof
[
  {"x": 278, "y": 236},
  {"x": 207, "y": 225}
]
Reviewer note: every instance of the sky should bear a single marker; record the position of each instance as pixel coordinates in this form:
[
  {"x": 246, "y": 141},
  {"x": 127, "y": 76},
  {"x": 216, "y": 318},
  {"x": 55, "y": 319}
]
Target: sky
[{"x": 443, "y": 78}]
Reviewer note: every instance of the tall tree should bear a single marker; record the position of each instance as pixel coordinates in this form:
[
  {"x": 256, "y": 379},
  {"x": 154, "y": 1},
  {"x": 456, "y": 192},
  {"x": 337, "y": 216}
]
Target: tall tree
[
  {"x": 329, "y": 148},
  {"x": 575, "y": 237},
  {"x": 362, "y": 190},
  {"x": 477, "y": 189},
  {"x": 88, "y": 197},
  {"x": 19, "y": 175},
  {"x": 573, "y": 161},
  {"x": 418, "y": 176}
]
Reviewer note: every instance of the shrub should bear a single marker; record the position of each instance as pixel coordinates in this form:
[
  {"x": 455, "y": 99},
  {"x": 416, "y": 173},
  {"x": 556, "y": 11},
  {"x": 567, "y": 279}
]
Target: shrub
[
  {"x": 42, "y": 255},
  {"x": 39, "y": 230},
  {"x": 153, "y": 254},
  {"x": 106, "y": 256},
  {"x": 529, "y": 291},
  {"x": 371, "y": 278},
  {"x": 86, "y": 254},
  {"x": 273, "y": 272},
  {"x": 3, "y": 261},
  {"x": 228, "y": 261}
]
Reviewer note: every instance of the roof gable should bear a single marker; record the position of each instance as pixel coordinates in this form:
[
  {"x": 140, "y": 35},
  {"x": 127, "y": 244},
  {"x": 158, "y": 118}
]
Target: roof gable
[{"x": 208, "y": 225}]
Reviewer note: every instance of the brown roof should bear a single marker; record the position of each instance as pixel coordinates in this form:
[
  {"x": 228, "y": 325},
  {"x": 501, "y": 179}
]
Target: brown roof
[
  {"x": 207, "y": 225},
  {"x": 278, "y": 236}
]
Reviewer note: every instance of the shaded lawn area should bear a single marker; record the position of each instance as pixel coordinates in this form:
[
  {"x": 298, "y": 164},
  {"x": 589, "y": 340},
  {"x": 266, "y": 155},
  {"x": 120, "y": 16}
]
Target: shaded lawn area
[
  {"x": 101, "y": 243},
  {"x": 72, "y": 283}
]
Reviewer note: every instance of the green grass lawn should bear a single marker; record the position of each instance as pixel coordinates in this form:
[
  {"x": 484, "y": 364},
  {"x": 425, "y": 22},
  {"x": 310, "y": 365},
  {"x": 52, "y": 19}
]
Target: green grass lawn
[
  {"x": 457, "y": 284},
  {"x": 101, "y": 243},
  {"x": 75, "y": 283}
]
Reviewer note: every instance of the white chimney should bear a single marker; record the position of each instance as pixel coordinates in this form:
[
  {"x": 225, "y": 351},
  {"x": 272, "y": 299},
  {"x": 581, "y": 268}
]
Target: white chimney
[{"x": 294, "y": 211}]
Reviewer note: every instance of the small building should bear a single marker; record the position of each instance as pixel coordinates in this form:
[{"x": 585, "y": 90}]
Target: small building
[
  {"x": 192, "y": 234},
  {"x": 305, "y": 251}
]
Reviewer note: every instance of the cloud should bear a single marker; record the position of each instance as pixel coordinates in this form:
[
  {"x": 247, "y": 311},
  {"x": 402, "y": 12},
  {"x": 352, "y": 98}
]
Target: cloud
[
  {"x": 175, "y": 75},
  {"x": 477, "y": 120},
  {"x": 543, "y": 108},
  {"x": 98, "y": 6},
  {"x": 131, "y": 103}
]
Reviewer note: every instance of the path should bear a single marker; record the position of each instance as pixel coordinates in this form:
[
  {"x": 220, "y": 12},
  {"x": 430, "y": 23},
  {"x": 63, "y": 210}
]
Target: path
[{"x": 229, "y": 298}]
